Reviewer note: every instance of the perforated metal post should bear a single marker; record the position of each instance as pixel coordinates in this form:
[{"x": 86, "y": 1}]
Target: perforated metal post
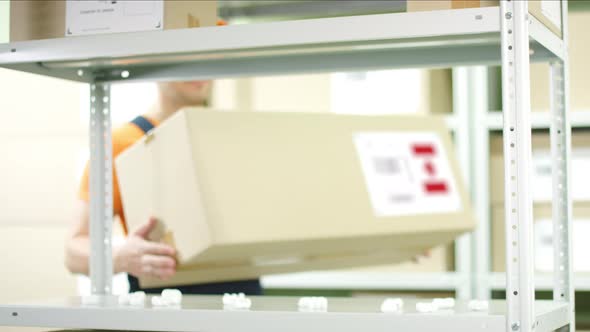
[
  {"x": 101, "y": 188},
  {"x": 563, "y": 289},
  {"x": 461, "y": 111},
  {"x": 520, "y": 288}
]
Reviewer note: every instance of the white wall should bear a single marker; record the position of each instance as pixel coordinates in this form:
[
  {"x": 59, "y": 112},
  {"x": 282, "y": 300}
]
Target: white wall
[{"x": 41, "y": 137}]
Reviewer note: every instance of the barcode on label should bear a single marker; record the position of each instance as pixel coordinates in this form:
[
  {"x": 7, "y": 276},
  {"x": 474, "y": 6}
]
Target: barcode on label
[{"x": 386, "y": 165}]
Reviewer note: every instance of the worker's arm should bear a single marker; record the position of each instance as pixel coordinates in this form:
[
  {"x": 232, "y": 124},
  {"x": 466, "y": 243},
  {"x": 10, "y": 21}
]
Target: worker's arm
[{"x": 136, "y": 255}]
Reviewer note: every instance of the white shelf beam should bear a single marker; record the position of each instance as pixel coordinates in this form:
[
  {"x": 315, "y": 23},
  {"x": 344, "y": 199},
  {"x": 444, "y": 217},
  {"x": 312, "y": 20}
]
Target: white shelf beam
[
  {"x": 541, "y": 120},
  {"x": 457, "y": 37},
  {"x": 446, "y": 281},
  {"x": 543, "y": 281}
]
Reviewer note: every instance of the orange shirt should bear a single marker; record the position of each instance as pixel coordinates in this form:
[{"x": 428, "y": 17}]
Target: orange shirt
[{"x": 122, "y": 138}]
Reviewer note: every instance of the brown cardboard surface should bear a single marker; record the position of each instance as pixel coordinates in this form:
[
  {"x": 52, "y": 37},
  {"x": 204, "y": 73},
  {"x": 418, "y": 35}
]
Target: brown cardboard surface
[
  {"x": 246, "y": 192},
  {"x": 427, "y": 5},
  {"x": 579, "y": 52},
  {"x": 33, "y": 19},
  {"x": 580, "y": 139},
  {"x": 581, "y": 210},
  {"x": 536, "y": 11},
  {"x": 440, "y": 91},
  {"x": 439, "y": 259}
]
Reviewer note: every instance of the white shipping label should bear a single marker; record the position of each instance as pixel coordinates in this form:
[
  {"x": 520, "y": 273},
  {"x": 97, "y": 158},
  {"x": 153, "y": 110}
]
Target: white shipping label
[
  {"x": 552, "y": 10},
  {"x": 407, "y": 173},
  {"x": 544, "y": 245},
  {"x": 85, "y": 17},
  {"x": 542, "y": 180}
]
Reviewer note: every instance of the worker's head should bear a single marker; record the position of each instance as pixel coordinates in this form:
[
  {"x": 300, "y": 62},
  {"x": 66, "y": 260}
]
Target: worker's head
[{"x": 186, "y": 93}]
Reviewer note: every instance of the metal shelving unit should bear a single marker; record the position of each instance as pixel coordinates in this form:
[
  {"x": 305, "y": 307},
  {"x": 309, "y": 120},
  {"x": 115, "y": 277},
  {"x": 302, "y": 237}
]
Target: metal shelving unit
[{"x": 467, "y": 37}]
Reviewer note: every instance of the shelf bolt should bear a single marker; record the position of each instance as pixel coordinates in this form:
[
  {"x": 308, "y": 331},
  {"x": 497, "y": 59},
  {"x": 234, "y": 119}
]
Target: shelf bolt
[
  {"x": 508, "y": 15},
  {"x": 515, "y": 327}
]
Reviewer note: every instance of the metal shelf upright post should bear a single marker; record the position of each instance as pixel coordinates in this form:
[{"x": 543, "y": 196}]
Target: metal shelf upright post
[
  {"x": 520, "y": 272},
  {"x": 562, "y": 206},
  {"x": 101, "y": 191}
]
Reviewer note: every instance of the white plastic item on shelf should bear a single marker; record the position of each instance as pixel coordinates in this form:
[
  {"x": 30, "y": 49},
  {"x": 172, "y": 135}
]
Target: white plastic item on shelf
[
  {"x": 124, "y": 299},
  {"x": 236, "y": 301},
  {"x": 172, "y": 296},
  {"x": 426, "y": 307},
  {"x": 392, "y": 305},
  {"x": 137, "y": 298},
  {"x": 314, "y": 303},
  {"x": 444, "y": 303},
  {"x": 157, "y": 301},
  {"x": 478, "y": 305},
  {"x": 133, "y": 299}
]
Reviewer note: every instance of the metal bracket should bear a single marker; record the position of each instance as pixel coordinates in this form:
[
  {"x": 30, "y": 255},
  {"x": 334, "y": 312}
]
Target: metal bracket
[
  {"x": 563, "y": 289},
  {"x": 520, "y": 290},
  {"x": 101, "y": 190}
]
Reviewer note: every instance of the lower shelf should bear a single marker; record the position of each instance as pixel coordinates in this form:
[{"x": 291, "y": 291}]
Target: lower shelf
[{"x": 206, "y": 313}]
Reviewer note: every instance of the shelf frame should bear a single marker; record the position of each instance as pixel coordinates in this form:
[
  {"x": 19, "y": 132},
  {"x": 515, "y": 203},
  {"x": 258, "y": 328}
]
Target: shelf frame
[{"x": 458, "y": 37}]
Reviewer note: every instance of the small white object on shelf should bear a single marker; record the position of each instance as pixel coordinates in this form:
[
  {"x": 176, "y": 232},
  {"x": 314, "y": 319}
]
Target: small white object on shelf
[
  {"x": 172, "y": 296},
  {"x": 137, "y": 299},
  {"x": 478, "y": 305},
  {"x": 157, "y": 301},
  {"x": 392, "y": 305},
  {"x": 236, "y": 301},
  {"x": 444, "y": 303},
  {"x": 314, "y": 303},
  {"x": 124, "y": 299},
  {"x": 133, "y": 299},
  {"x": 426, "y": 307}
]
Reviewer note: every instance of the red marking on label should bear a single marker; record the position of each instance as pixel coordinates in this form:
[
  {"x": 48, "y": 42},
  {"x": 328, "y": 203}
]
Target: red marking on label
[
  {"x": 436, "y": 188},
  {"x": 430, "y": 168},
  {"x": 423, "y": 149}
]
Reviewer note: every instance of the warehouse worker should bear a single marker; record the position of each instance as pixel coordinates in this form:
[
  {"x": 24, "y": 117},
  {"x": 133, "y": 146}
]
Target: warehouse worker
[{"x": 137, "y": 256}]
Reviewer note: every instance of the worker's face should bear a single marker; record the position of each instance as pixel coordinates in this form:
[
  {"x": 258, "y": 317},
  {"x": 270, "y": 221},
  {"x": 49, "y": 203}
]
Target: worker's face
[{"x": 186, "y": 93}]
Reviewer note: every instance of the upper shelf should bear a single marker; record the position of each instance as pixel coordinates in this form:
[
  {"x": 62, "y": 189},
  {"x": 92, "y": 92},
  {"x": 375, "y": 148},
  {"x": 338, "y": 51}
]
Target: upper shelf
[{"x": 421, "y": 39}]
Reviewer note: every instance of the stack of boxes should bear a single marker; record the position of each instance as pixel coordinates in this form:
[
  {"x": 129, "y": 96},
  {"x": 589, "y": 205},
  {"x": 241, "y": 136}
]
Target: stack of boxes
[{"x": 542, "y": 197}]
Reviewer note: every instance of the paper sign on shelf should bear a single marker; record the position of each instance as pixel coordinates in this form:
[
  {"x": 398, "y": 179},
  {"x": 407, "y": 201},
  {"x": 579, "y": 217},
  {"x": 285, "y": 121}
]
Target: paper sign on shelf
[
  {"x": 85, "y": 17},
  {"x": 407, "y": 173}
]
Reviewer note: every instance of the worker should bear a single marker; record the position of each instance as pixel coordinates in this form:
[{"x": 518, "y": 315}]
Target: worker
[{"x": 137, "y": 256}]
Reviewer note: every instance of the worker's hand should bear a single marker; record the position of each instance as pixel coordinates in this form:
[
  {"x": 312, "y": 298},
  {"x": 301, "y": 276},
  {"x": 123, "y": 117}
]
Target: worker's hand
[
  {"x": 426, "y": 254},
  {"x": 143, "y": 258}
]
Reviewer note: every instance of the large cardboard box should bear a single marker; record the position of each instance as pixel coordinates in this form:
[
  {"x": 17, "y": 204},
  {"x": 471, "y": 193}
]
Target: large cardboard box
[
  {"x": 543, "y": 255},
  {"x": 246, "y": 194},
  {"x": 547, "y": 12},
  {"x": 541, "y": 168},
  {"x": 32, "y": 19}
]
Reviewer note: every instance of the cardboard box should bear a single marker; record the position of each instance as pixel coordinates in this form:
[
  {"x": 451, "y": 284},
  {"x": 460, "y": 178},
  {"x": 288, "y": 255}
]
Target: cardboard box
[
  {"x": 541, "y": 172},
  {"x": 440, "y": 259},
  {"x": 547, "y": 12},
  {"x": 543, "y": 231},
  {"x": 579, "y": 52},
  {"x": 31, "y": 19},
  {"x": 428, "y": 5},
  {"x": 247, "y": 194}
]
